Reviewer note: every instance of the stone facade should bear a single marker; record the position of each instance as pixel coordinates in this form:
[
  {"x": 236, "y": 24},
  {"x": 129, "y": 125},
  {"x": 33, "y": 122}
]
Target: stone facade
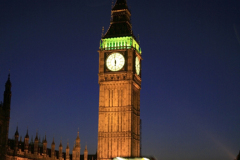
[
  {"x": 119, "y": 111},
  {"x": 37, "y": 150},
  {"x": 119, "y": 91}
]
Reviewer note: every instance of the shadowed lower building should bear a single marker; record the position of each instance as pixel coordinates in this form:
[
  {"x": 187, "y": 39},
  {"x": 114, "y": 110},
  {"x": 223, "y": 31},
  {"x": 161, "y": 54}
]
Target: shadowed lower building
[{"x": 34, "y": 148}]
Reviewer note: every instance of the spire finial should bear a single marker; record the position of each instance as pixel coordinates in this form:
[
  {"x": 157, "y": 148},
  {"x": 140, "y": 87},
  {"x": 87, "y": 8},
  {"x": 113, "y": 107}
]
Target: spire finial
[
  {"x": 138, "y": 39},
  {"x": 16, "y": 133},
  {"x": 45, "y": 139},
  {"x": 112, "y": 3},
  {"x": 102, "y": 31},
  {"x": 67, "y": 145},
  {"x": 53, "y": 143},
  {"x": 27, "y": 136},
  {"x": 36, "y": 138},
  {"x": 9, "y": 73},
  {"x": 60, "y": 142}
]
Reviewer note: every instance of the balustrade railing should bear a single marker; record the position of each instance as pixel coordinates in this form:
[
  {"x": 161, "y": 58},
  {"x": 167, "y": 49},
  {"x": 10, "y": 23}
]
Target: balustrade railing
[{"x": 116, "y": 47}]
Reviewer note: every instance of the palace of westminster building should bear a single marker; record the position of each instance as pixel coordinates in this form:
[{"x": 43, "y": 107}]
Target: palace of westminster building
[{"x": 119, "y": 102}]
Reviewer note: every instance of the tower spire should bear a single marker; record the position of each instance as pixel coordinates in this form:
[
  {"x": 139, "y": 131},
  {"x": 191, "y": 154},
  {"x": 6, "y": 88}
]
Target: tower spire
[
  {"x": 119, "y": 47},
  {"x": 102, "y": 31},
  {"x": 7, "y": 94},
  {"x": 120, "y": 25},
  {"x": 120, "y": 4},
  {"x": 16, "y": 133},
  {"x": 27, "y": 136},
  {"x": 112, "y": 3}
]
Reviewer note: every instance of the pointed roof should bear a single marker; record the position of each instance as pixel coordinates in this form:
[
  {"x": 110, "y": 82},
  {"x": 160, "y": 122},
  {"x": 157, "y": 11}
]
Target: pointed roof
[
  {"x": 27, "y": 136},
  {"x": 74, "y": 147},
  {"x": 120, "y": 25},
  {"x": 8, "y": 85},
  {"x": 67, "y": 146},
  {"x": 8, "y": 81},
  {"x": 53, "y": 143},
  {"x": 60, "y": 144},
  {"x": 78, "y": 139},
  {"x": 36, "y": 138},
  {"x": 86, "y": 147},
  {"x": 45, "y": 139},
  {"x": 120, "y": 4},
  {"x": 16, "y": 133}
]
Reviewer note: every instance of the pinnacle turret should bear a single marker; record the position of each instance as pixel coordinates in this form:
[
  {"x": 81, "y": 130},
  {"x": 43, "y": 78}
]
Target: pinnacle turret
[
  {"x": 27, "y": 136},
  {"x": 16, "y": 133},
  {"x": 53, "y": 149},
  {"x": 53, "y": 143},
  {"x": 78, "y": 139},
  {"x": 60, "y": 144},
  {"x": 45, "y": 139},
  {"x": 8, "y": 83},
  {"x": 86, "y": 153},
  {"x": 36, "y": 138},
  {"x": 67, "y": 146},
  {"x": 7, "y": 94}
]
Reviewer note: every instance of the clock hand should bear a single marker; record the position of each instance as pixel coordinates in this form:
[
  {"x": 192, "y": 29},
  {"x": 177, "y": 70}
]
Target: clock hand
[{"x": 115, "y": 62}]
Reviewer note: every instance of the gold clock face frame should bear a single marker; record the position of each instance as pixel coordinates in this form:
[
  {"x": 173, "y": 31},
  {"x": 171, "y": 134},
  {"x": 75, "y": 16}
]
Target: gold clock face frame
[
  {"x": 115, "y": 61},
  {"x": 137, "y": 65}
]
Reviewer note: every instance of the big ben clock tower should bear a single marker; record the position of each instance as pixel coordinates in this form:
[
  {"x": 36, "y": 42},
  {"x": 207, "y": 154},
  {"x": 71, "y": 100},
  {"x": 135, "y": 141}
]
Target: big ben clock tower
[{"x": 119, "y": 88}]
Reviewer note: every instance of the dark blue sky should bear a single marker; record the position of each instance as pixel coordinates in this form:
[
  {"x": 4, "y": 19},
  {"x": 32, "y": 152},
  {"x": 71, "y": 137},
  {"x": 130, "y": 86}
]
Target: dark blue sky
[{"x": 190, "y": 97}]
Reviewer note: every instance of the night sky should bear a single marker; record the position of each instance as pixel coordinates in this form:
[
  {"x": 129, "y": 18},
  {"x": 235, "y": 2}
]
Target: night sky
[{"x": 190, "y": 97}]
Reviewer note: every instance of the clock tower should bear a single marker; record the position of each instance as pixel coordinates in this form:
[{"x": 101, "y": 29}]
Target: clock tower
[{"x": 119, "y": 88}]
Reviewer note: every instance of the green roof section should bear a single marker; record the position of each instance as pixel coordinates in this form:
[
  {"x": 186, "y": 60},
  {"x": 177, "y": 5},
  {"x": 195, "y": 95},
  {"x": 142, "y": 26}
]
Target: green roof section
[{"x": 120, "y": 43}]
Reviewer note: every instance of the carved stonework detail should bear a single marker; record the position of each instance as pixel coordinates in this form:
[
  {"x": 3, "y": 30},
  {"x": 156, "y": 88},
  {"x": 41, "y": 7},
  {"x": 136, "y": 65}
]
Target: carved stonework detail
[{"x": 119, "y": 111}]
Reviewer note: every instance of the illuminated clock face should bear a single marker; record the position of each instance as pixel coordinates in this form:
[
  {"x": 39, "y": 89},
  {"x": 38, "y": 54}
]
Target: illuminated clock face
[
  {"x": 137, "y": 65},
  {"x": 115, "y": 62}
]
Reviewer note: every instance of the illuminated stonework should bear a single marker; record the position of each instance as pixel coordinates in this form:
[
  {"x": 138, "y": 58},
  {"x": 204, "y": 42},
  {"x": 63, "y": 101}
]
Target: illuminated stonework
[
  {"x": 119, "y": 43},
  {"x": 137, "y": 65},
  {"x": 119, "y": 89}
]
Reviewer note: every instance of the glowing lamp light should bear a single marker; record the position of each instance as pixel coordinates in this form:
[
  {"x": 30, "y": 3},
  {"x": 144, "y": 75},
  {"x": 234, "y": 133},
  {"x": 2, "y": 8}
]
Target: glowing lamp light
[{"x": 120, "y": 43}]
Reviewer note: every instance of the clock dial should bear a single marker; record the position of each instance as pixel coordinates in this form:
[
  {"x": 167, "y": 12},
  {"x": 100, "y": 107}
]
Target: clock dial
[
  {"x": 137, "y": 65},
  {"x": 115, "y": 62}
]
